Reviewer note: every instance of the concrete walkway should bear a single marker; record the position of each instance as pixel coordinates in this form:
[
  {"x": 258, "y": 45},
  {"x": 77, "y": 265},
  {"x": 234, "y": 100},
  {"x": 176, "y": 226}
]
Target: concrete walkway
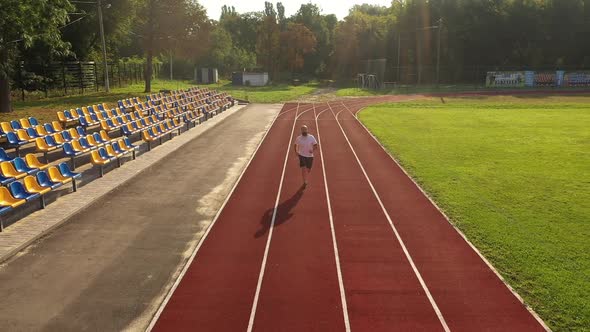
[{"x": 109, "y": 266}]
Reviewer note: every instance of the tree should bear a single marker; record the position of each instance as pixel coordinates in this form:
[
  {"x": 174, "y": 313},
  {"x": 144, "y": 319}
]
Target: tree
[
  {"x": 297, "y": 41},
  {"x": 22, "y": 24},
  {"x": 268, "y": 43},
  {"x": 172, "y": 25}
]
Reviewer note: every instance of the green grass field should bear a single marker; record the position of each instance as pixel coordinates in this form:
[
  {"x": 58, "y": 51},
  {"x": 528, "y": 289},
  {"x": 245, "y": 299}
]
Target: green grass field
[
  {"x": 268, "y": 94},
  {"x": 514, "y": 175}
]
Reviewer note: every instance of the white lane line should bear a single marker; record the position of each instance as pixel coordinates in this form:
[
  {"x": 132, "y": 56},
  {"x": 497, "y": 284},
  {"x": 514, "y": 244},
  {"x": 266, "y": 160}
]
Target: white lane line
[
  {"x": 473, "y": 247},
  {"x": 287, "y": 111},
  {"x": 300, "y": 114},
  {"x": 336, "y": 255},
  {"x": 204, "y": 237},
  {"x": 320, "y": 113},
  {"x": 270, "y": 230},
  {"x": 397, "y": 235}
]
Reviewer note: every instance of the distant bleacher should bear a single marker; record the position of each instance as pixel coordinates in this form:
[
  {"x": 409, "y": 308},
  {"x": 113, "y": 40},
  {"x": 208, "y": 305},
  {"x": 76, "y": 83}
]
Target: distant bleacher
[{"x": 107, "y": 135}]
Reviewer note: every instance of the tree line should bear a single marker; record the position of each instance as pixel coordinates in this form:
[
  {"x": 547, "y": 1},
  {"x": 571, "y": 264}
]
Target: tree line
[{"x": 413, "y": 34}]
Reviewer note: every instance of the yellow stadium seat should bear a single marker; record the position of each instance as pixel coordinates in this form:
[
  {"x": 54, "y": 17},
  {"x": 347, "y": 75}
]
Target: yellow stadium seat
[
  {"x": 104, "y": 135},
  {"x": 42, "y": 145},
  {"x": 41, "y": 130},
  {"x": 33, "y": 162},
  {"x": 24, "y": 136},
  {"x": 59, "y": 139},
  {"x": 111, "y": 152},
  {"x": 92, "y": 141},
  {"x": 25, "y": 123},
  {"x": 56, "y": 176},
  {"x": 57, "y": 126},
  {"x": 6, "y": 127},
  {"x": 74, "y": 133},
  {"x": 33, "y": 187},
  {"x": 77, "y": 147},
  {"x": 8, "y": 171},
  {"x": 6, "y": 199},
  {"x": 96, "y": 159}
]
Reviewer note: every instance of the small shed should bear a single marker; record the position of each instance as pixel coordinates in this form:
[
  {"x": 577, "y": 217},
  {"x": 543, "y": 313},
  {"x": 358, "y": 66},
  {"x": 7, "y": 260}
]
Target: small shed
[
  {"x": 206, "y": 75},
  {"x": 255, "y": 79}
]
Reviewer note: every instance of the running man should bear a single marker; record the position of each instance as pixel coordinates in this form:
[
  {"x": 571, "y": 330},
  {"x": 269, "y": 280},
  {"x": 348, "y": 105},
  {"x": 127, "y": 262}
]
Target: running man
[{"x": 305, "y": 145}]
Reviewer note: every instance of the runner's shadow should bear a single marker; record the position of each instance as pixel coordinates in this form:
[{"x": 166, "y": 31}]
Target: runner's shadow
[{"x": 283, "y": 213}]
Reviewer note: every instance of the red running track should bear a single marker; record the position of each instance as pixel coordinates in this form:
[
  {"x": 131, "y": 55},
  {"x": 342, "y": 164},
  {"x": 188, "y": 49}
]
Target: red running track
[{"x": 361, "y": 249}]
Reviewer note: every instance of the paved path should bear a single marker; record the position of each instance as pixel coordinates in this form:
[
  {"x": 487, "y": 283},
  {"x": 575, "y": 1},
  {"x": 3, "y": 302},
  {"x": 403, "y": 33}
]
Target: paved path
[{"x": 108, "y": 268}]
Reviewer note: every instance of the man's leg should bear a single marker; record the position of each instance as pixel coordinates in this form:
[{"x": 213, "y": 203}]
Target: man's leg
[{"x": 304, "y": 174}]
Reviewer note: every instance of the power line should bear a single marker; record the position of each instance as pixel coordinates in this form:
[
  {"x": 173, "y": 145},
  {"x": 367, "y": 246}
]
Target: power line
[{"x": 60, "y": 28}]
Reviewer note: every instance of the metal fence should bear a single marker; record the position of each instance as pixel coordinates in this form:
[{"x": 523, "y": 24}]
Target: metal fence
[{"x": 37, "y": 80}]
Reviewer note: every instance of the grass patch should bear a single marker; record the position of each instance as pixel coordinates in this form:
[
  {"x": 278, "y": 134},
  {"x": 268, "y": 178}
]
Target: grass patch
[
  {"x": 45, "y": 109},
  {"x": 411, "y": 89},
  {"x": 277, "y": 93},
  {"x": 514, "y": 175}
]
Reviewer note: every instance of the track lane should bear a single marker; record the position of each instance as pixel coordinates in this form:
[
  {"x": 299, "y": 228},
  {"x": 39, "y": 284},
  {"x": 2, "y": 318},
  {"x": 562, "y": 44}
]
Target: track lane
[
  {"x": 382, "y": 291},
  {"x": 300, "y": 288},
  {"x": 217, "y": 290},
  {"x": 469, "y": 294}
]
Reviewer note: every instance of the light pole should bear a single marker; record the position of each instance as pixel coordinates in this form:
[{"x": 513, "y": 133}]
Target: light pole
[
  {"x": 440, "y": 24},
  {"x": 104, "y": 48}
]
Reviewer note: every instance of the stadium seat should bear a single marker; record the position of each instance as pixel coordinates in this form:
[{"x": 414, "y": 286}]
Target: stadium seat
[
  {"x": 100, "y": 158},
  {"x": 56, "y": 176},
  {"x": 44, "y": 180},
  {"x": 13, "y": 141},
  {"x": 21, "y": 165},
  {"x": 33, "y": 187},
  {"x": 15, "y": 125},
  {"x": 33, "y": 162},
  {"x": 8, "y": 203},
  {"x": 73, "y": 153},
  {"x": 19, "y": 192},
  {"x": 66, "y": 172},
  {"x": 8, "y": 171},
  {"x": 41, "y": 130},
  {"x": 4, "y": 155}
]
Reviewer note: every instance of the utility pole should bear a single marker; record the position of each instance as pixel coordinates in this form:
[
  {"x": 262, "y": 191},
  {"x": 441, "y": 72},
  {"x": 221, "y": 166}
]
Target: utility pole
[
  {"x": 440, "y": 25},
  {"x": 104, "y": 48},
  {"x": 399, "y": 49},
  {"x": 171, "y": 68}
]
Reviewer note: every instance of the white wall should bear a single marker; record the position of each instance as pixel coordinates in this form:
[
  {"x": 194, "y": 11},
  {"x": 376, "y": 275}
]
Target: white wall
[{"x": 256, "y": 79}]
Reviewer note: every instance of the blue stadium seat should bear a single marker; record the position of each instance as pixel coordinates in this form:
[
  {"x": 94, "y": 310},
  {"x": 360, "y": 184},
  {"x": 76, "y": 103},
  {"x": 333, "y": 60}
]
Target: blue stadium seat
[
  {"x": 33, "y": 121},
  {"x": 44, "y": 181},
  {"x": 4, "y": 155},
  {"x": 18, "y": 191},
  {"x": 67, "y": 172},
  {"x": 21, "y": 166}
]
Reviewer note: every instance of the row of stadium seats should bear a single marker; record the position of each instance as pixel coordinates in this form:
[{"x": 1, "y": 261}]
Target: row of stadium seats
[
  {"x": 120, "y": 122},
  {"x": 35, "y": 187},
  {"x": 111, "y": 152},
  {"x": 12, "y": 169},
  {"x": 74, "y": 115},
  {"x": 164, "y": 128},
  {"x": 27, "y": 178}
]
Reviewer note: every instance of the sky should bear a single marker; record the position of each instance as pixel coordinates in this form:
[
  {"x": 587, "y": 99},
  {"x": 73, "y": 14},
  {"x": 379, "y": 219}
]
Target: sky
[{"x": 338, "y": 7}]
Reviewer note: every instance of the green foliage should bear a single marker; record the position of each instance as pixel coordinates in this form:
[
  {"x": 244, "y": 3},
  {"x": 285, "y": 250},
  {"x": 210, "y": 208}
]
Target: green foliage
[
  {"x": 512, "y": 173},
  {"x": 25, "y": 22}
]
